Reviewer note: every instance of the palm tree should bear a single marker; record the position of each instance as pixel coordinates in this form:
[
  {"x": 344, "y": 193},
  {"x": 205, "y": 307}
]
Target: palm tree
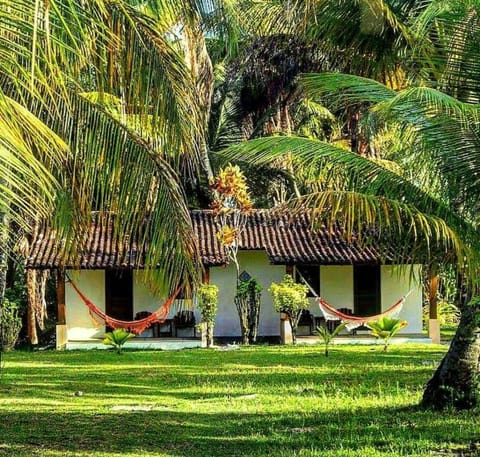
[{"x": 96, "y": 113}]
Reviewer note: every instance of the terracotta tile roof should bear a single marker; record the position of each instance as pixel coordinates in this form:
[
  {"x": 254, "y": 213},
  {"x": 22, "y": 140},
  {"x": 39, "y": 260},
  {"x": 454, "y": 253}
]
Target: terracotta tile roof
[{"x": 285, "y": 240}]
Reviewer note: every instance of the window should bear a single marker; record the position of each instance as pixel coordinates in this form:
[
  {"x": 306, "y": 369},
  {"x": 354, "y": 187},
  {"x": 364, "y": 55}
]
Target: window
[
  {"x": 366, "y": 290},
  {"x": 311, "y": 274}
]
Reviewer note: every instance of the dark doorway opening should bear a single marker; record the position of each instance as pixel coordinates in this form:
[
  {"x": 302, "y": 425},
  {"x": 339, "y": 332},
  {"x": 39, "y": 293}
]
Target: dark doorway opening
[
  {"x": 366, "y": 290},
  {"x": 119, "y": 294}
]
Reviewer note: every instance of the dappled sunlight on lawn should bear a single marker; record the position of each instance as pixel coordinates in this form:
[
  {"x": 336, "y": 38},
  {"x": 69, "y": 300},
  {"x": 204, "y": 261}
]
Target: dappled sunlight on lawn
[{"x": 256, "y": 401}]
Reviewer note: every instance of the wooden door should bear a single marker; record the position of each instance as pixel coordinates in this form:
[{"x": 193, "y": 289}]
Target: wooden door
[
  {"x": 366, "y": 290},
  {"x": 119, "y": 294}
]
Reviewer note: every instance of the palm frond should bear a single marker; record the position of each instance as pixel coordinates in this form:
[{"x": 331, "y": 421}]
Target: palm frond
[
  {"x": 348, "y": 88},
  {"x": 28, "y": 151},
  {"x": 410, "y": 235}
]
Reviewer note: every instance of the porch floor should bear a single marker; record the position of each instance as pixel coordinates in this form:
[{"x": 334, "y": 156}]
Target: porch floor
[
  {"x": 366, "y": 339},
  {"x": 140, "y": 343}
]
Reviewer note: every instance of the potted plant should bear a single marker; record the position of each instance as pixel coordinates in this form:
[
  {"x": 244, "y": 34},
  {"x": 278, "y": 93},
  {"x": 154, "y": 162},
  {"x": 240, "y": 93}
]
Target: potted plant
[
  {"x": 207, "y": 302},
  {"x": 291, "y": 299}
]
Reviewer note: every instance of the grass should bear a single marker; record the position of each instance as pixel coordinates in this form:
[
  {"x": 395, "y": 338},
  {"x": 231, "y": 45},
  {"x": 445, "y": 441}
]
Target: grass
[{"x": 258, "y": 401}]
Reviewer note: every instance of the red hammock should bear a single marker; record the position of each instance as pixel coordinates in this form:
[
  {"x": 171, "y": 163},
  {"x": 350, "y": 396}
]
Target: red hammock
[
  {"x": 352, "y": 322},
  {"x": 137, "y": 326}
]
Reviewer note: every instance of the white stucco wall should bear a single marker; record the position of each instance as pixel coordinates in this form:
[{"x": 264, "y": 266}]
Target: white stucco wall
[
  {"x": 395, "y": 283},
  {"x": 257, "y": 265},
  {"x": 92, "y": 283},
  {"x": 79, "y": 322},
  {"x": 145, "y": 300},
  {"x": 336, "y": 286}
]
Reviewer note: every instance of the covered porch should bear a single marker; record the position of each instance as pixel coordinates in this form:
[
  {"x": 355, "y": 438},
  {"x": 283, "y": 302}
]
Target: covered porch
[{"x": 140, "y": 343}]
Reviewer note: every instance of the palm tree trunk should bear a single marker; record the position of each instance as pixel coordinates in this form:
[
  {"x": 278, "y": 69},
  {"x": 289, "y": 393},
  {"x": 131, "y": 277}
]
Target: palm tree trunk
[
  {"x": 201, "y": 67},
  {"x": 456, "y": 381},
  {"x": 4, "y": 254},
  {"x": 31, "y": 299}
]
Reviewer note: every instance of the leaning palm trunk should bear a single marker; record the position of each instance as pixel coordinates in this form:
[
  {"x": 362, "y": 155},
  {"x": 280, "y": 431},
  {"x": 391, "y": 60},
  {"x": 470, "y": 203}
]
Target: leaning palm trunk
[{"x": 456, "y": 381}]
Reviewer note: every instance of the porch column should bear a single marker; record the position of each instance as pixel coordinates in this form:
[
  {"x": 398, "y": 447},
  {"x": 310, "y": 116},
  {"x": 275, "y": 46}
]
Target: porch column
[
  {"x": 206, "y": 275},
  {"x": 61, "y": 329},
  {"x": 285, "y": 330},
  {"x": 433, "y": 322},
  {"x": 203, "y": 325}
]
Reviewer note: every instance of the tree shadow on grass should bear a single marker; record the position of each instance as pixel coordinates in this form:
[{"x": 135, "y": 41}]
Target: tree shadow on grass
[{"x": 394, "y": 431}]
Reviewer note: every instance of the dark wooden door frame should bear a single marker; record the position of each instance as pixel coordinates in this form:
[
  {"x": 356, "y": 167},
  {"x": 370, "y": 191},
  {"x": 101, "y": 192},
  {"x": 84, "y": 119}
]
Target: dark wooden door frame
[
  {"x": 119, "y": 294},
  {"x": 372, "y": 274}
]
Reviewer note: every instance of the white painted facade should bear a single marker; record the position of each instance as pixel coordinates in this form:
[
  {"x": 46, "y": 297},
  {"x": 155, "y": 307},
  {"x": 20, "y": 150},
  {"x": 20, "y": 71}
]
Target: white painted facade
[
  {"x": 81, "y": 326},
  {"x": 256, "y": 264},
  {"x": 336, "y": 286}
]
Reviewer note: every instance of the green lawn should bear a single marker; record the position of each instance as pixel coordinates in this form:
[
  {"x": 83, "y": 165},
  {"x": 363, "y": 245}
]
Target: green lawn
[{"x": 259, "y": 401}]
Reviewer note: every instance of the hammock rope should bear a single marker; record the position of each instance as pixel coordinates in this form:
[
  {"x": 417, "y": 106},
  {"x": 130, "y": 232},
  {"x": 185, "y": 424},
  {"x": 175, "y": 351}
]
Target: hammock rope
[
  {"x": 352, "y": 322},
  {"x": 136, "y": 326}
]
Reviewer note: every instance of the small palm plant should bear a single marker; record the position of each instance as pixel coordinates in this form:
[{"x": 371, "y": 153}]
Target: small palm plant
[
  {"x": 117, "y": 338},
  {"x": 385, "y": 328},
  {"x": 328, "y": 336}
]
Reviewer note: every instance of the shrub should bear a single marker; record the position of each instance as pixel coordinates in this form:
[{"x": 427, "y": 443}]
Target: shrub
[
  {"x": 290, "y": 298},
  {"x": 207, "y": 302},
  {"x": 11, "y": 324},
  {"x": 247, "y": 301}
]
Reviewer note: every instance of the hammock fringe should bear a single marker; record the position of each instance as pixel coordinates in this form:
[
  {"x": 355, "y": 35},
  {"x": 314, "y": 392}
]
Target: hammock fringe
[
  {"x": 352, "y": 322},
  {"x": 137, "y": 326}
]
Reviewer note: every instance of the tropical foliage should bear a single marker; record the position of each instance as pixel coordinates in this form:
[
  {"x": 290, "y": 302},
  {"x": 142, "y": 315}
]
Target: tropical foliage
[
  {"x": 117, "y": 338},
  {"x": 247, "y": 302},
  {"x": 365, "y": 112},
  {"x": 10, "y": 325},
  {"x": 385, "y": 328},
  {"x": 207, "y": 302},
  {"x": 291, "y": 299},
  {"x": 411, "y": 126},
  {"x": 327, "y": 336}
]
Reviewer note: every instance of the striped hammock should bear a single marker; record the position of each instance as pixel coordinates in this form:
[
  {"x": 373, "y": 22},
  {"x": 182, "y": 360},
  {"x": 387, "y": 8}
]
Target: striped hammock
[
  {"x": 137, "y": 326},
  {"x": 352, "y": 322}
]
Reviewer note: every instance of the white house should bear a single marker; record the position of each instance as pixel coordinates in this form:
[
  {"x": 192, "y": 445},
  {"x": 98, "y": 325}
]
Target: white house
[{"x": 344, "y": 273}]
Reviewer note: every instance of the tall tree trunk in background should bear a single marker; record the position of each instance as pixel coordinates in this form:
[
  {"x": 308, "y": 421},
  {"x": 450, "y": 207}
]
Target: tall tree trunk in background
[
  {"x": 31, "y": 296},
  {"x": 456, "y": 381},
  {"x": 201, "y": 68},
  {"x": 37, "y": 306},
  {"x": 4, "y": 255}
]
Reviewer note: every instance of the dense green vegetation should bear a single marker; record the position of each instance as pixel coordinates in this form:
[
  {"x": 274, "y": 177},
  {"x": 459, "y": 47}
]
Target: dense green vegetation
[
  {"x": 365, "y": 112},
  {"x": 256, "y": 401}
]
